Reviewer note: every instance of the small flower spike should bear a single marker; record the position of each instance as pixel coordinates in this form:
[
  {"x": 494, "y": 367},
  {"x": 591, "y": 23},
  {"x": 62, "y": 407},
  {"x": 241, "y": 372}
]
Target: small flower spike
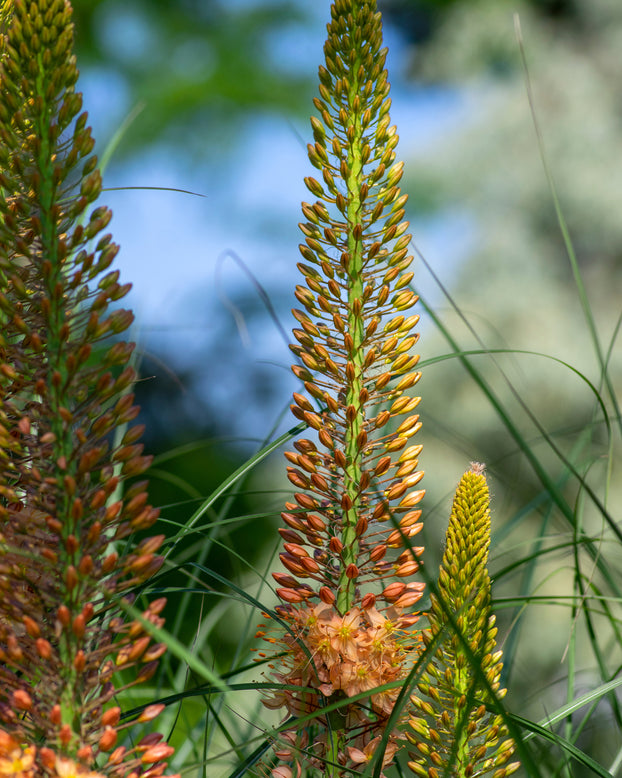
[
  {"x": 65, "y": 558},
  {"x": 347, "y": 590},
  {"x": 451, "y": 729}
]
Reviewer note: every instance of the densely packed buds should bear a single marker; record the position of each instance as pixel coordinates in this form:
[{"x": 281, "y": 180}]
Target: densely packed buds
[
  {"x": 65, "y": 443},
  {"x": 452, "y": 731},
  {"x": 347, "y": 549}
]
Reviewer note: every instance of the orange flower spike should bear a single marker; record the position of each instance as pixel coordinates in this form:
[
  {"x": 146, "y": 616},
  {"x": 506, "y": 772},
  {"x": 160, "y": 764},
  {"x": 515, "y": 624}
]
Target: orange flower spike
[
  {"x": 355, "y": 254},
  {"x": 57, "y": 310},
  {"x": 355, "y": 504}
]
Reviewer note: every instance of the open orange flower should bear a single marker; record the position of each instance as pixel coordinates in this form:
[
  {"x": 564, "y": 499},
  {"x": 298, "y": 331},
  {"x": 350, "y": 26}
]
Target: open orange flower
[{"x": 17, "y": 762}]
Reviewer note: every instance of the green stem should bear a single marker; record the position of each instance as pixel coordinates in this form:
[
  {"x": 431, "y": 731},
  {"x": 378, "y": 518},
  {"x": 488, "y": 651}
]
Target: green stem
[
  {"x": 352, "y": 475},
  {"x": 47, "y": 196}
]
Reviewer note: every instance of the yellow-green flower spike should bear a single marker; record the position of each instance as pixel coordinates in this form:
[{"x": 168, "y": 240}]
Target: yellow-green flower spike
[{"x": 450, "y": 726}]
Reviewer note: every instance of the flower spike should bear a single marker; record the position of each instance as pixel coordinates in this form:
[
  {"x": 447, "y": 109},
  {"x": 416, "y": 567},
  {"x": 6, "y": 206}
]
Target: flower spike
[
  {"x": 451, "y": 730},
  {"x": 348, "y": 592},
  {"x": 64, "y": 392}
]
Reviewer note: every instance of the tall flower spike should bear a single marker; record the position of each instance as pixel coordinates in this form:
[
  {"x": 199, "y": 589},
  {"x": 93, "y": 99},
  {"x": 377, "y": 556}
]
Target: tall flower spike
[
  {"x": 64, "y": 392},
  {"x": 454, "y": 732},
  {"x": 348, "y": 570}
]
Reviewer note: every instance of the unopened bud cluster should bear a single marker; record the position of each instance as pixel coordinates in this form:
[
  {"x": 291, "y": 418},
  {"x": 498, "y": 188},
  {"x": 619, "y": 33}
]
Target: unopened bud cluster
[{"x": 452, "y": 731}]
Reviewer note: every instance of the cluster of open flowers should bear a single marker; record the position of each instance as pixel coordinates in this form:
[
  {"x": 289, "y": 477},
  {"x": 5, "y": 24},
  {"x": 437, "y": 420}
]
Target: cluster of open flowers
[
  {"x": 331, "y": 657},
  {"x": 25, "y": 761},
  {"x": 29, "y": 761}
]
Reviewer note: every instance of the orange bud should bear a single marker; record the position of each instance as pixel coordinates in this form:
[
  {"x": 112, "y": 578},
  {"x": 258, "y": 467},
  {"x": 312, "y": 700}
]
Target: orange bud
[
  {"x": 110, "y": 562},
  {"x": 368, "y": 601},
  {"x": 108, "y": 739},
  {"x": 116, "y": 757},
  {"x": 335, "y": 545},
  {"x": 150, "y": 712},
  {"x": 147, "y": 672},
  {"x": 292, "y": 520},
  {"x": 64, "y": 735},
  {"x": 289, "y": 595},
  {"x": 77, "y": 509},
  {"x": 305, "y": 501},
  {"x": 32, "y": 628},
  {"x": 406, "y": 569},
  {"x": 22, "y": 700},
  {"x": 44, "y": 648},
  {"x": 111, "y": 717},
  {"x": 346, "y": 502},
  {"x": 55, "y": 714},
  {"x": 309, "y": 564},
  {"x": 325, "y": 438},
  {"x": 380, "y": 511},
  {"x": 393, "y": 591},
  {"x": 157, "y": 606},
  {"x": 96, "y": 527},
  {"x": 137, "y": 503},
  {"x": 407, "y": 599},
  {"x": 79, "y": 626},
  {"x": 378, "y": 552},
  {"x": 71, "y": 577},
  {"x": 412, "y": 499},
  {"x": 138, "y": 648},
  {"x": 154, "y": 652},
  {"x": 319, "y": 482},
  {"x": 295, "y": 550},
  {"x": 291, "y": 563},
  {"x": 156, "y": 753},
  {"x": 397, "y": 490},
  {"x": 316, "y": 523},
  {"x": 64, "y": 616},
  {"x": 7, "y": 743},
  {"x": 305, "y": 462},
  {"x": 327, "y": 596},
  {"x": 48, "y": 758},
  {"x": 86, "y": 565},
  {"x": 395, "y": 444},
  {"x": 79, "y": 661},
  {"x": 85, "y": 754},
  {"x": 284, "y": 580},
  {"x": 112, "y": 511},
  {"x": 297, "y": 478},
  {"x": 99, "y": 499}
]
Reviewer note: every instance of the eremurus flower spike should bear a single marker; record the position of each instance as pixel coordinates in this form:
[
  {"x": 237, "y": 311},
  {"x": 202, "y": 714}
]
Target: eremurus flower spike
[
  {"x": 451, "y": 730},
  {"x": 354, "y": 339},
  {"x": 347, "y": 593},
  {"x": 63, "y": 392}
]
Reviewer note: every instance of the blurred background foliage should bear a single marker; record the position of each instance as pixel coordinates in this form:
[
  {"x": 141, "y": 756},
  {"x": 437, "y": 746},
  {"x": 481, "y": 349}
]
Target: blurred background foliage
[{"x": 205, "y": 70}]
